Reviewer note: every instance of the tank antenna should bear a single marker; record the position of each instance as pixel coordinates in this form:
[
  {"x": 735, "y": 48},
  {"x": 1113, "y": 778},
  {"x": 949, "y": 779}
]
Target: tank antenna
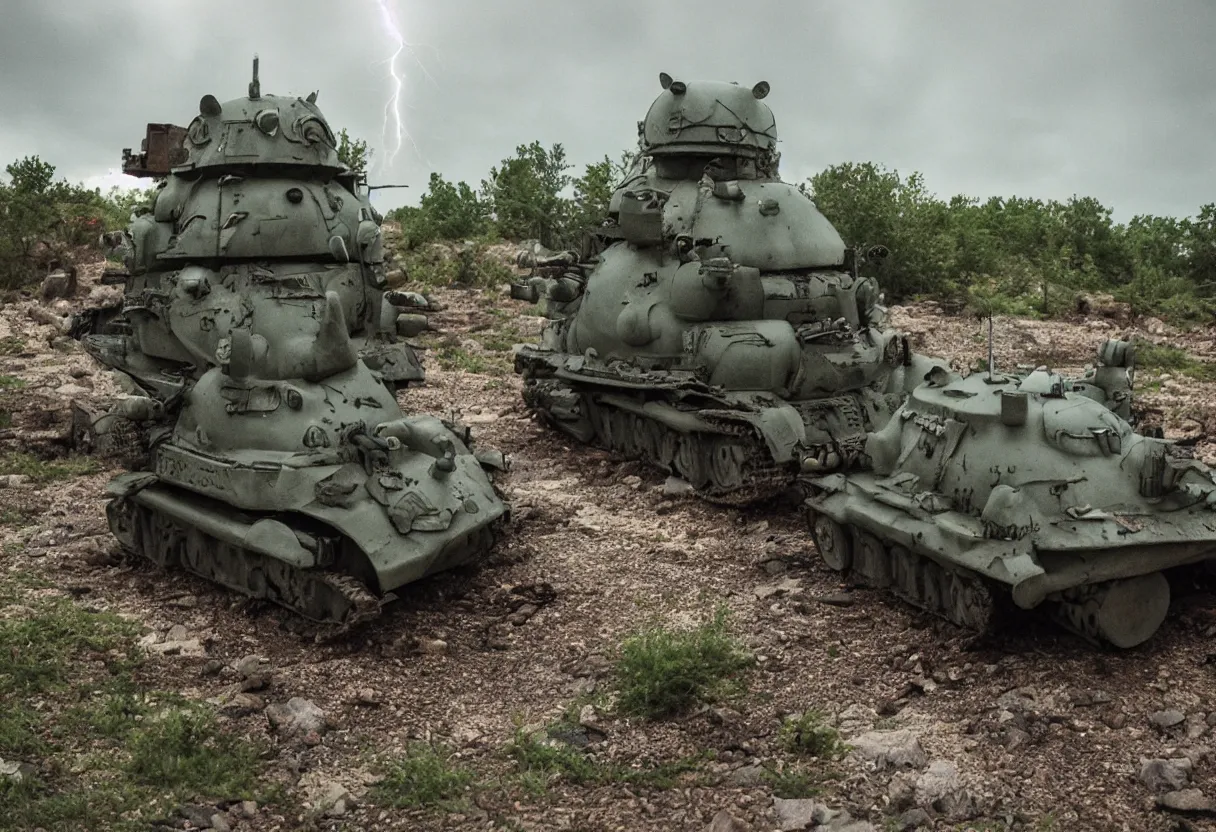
[
  {"x": 991, "y": 359},
  {"x": 255, "y": 86}
]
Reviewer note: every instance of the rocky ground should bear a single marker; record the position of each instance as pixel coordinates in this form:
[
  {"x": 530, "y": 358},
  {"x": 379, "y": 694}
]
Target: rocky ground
[{"x": 436, "y": 715}]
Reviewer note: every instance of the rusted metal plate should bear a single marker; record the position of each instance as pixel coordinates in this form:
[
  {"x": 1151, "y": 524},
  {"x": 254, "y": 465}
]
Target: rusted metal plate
[{"x": 161, "y": 150}]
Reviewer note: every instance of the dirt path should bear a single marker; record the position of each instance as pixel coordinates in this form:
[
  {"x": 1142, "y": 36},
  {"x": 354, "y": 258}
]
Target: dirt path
[{"x": 1035, "y": 730}]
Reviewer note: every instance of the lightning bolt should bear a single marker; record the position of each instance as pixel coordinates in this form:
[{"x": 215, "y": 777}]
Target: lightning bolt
[{"x": 392, "y": 107}]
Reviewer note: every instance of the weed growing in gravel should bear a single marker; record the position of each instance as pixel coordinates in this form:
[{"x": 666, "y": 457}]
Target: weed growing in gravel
[
  {"x": 11, "y": 383},
  {"x": 423, "y": 776},
  {"x": 183, "y": 750},
  {"x": 810, "y": 736},
  {"x": 37, "y": 650},
  {"x": 11, "y": 345},
  {"x": 1167, "y": 359},
  {"x": 499, "y": 340},
  {"x": 455, "y": 358},
  {"x": 93, "y": 745},
  {"x": 44, "y": 471},
  {"x": 662, "y": 672},
  {"x": 542, "y": 760},
  {"x": 793, "y": 782},
  {"x": 452, "y": 356},
  {"x": 15, "y": 518}
]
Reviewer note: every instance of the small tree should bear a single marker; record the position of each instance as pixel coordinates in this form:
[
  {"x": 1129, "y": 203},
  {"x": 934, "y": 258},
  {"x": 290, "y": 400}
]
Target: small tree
[
  {"x": 29, "y": 217},
  {"x": 593, "y": 193},
  {"x": 354, "y": 153},
  {"x": 121, "y": 203},
  {"x": 1201, "y": 250},
  {"x": 870, "y": 205},
  {"x": 447, "y": 211},
  {"x": 524, "y": 194}
]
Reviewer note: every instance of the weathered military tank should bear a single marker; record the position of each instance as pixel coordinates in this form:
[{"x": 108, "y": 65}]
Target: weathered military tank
[
  {"x": 1022, "y": 486},
  {"x": 723, "y": 332},
  {"x": 260, "y": 346}
]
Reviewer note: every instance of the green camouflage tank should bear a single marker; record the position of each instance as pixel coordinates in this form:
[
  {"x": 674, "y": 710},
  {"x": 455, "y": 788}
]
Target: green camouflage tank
[
  {"x": 261, "y": 349},
  {"x": 1026, "y": 486},
  {"x": 724, "y": 334}
]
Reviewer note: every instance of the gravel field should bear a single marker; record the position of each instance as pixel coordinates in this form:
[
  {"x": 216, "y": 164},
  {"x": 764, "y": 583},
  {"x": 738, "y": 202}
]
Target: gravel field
[{"x": 1031, "y": 729}]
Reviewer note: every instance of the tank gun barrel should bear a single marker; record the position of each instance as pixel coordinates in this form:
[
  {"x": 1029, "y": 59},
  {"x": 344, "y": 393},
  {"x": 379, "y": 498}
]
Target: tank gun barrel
[{"x": 255, "y": 86}]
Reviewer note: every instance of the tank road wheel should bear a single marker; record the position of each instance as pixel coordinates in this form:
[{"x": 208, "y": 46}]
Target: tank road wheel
[
  {"x": 1125, "y": 612},
  {"x": 626, "y": 435},
  {"x": 124, "y": 523},
  {"x": 668, "y": 448},
  {"x": 871, "y": 561},
  {"x": 690, "y": 461},
  {"x": 971, "y": 603},
  {"x": 622, "y": 434},
  {"x": 653, "y": 434},
  {"x": 161, "y": 540},
  {"x": 833, "y": 543},
  {"x": 640, "y": 436},
  {"x": 726, "y": 465},
  {"x": 607, "y": 428},
  {"x": 624, "y": 438},
  {"x": 932, "y": 594},
  {"x": 599, "y": 423},
  {"x": 904, "y": 575}
]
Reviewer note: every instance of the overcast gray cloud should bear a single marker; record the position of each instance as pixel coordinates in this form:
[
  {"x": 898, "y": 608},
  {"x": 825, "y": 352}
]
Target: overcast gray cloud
[{"x": 1107, "y": 98}]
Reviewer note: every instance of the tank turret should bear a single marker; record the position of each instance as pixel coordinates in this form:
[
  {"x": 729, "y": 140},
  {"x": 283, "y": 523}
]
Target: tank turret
[
  {"x": 710, "y": 118},
  {"x": 724, "y": 333},
  {"x": 260, "y": 131},
  {"x": 259, "y": 343}
]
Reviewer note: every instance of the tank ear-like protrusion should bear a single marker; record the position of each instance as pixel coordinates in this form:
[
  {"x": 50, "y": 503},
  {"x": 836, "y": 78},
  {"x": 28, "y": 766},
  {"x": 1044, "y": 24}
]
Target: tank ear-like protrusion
[
  {"x": 312, "y": 97},
  {"x": 664, "y": 80},
  {"x": 760, "y": 90},
  {"x": 209, "y": 106}
]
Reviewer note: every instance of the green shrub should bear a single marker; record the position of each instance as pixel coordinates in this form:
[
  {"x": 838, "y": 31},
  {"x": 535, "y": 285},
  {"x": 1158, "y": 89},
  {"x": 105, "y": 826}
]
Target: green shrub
[
  {"x": 44, "y": 471},
  {"x": 105, "y": 748},
  {"x": 423, "y": 776},
  {"x": 1170, "y": 359},
  {"x": 467, "y": 264},
  {"x": 662, "y": 672},
  {"x": 809, "y": 735},
  {"x": 185, "y": 751}
]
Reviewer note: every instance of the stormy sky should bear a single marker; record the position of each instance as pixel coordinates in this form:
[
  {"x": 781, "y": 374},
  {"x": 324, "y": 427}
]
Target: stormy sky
[{"x": 1114, "y": 99}]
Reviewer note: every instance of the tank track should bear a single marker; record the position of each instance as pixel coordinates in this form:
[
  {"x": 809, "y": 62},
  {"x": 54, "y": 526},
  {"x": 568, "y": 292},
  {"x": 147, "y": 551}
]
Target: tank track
[
  {"x": 730, "y": 468},
  {"x": 959, "y": 597},
  {"x": 124, "y": 442},
  {"x": 1123, "y": 613},
  {"x": 337, "y": 601}
]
